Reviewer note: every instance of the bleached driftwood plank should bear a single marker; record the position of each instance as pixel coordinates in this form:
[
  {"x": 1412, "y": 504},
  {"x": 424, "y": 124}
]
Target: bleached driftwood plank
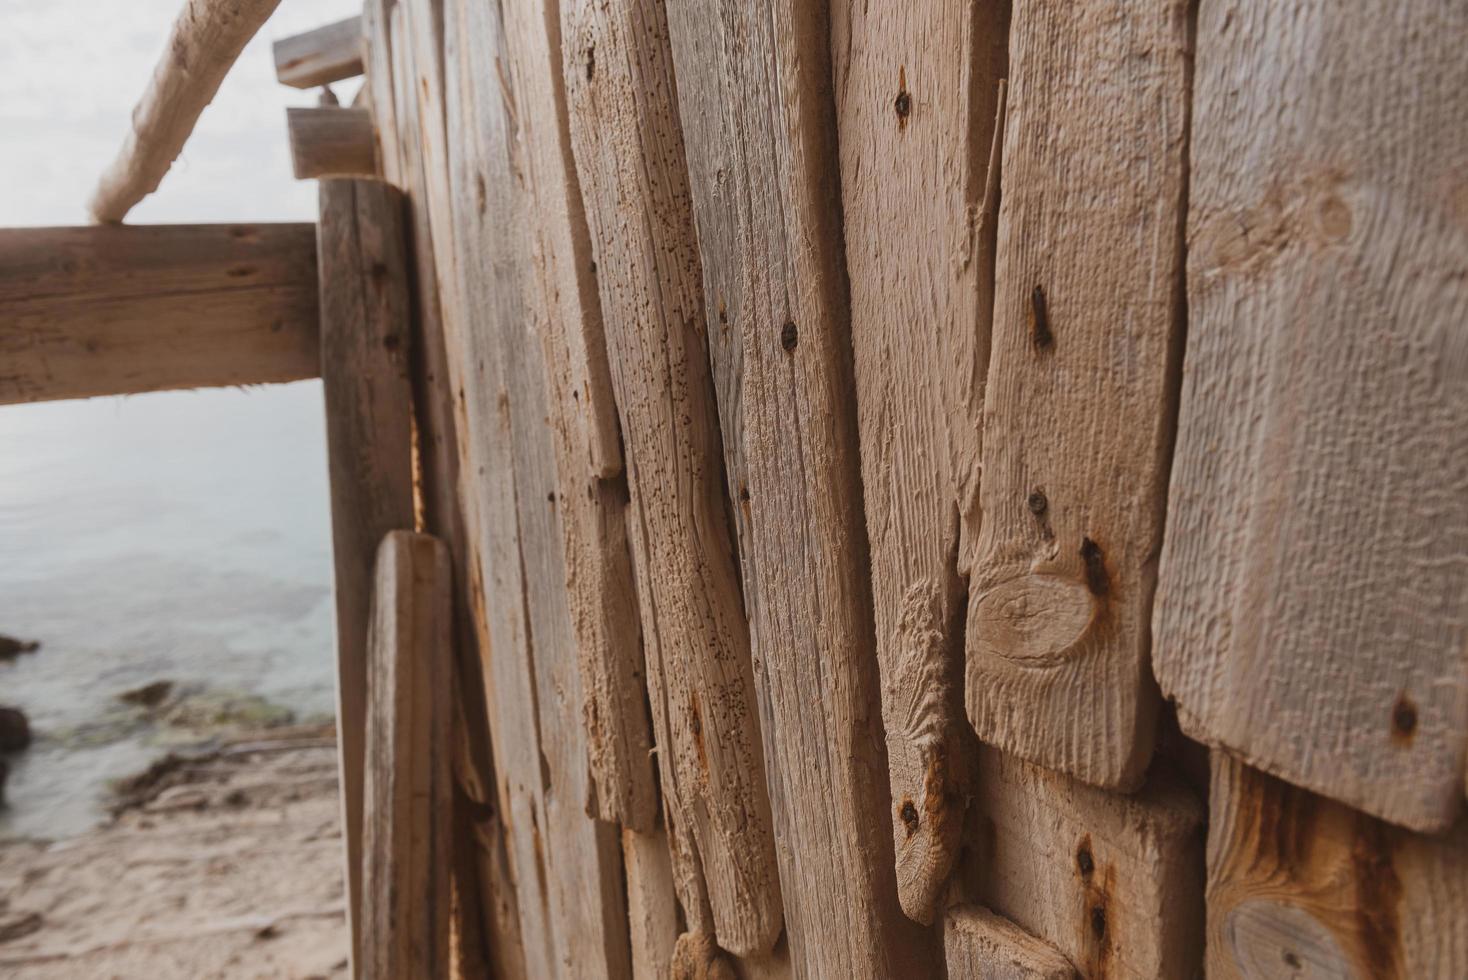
[
  {"x": 115, "y": 311},
  {"x": 1082, "y": 380},
  {"x": 1313, "y": 607},
  {"x": 1299, "y": 885},
  {"x": 481, "y": 865},
  {"x": 629, "y": 153},
  {"x": 567, "y": 320},
  {"x": 756, "y": 103},
  {"x": 652, "y": 908},
  {"x": 1114, "y": 882},
  {"x": 206, "y": 39},
  {"x": 980, "y": 945},
  {"x": 327, "y": 54},
  {"x": 378, "y": 83},
  {"x": 409, "y": 783},
  {"x": 364, "y": 359},
  {"x": 332, "y": 141},
  {"x": 568, "y": 867},
  {"x": 917, "y": 89}
]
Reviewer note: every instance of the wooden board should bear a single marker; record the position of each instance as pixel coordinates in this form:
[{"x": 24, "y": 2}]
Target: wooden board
[
  {"x": 1082, "y": 382},
  {"x": 567, "y": 320},
  {"x": 756, "y": 105},
  {"x": 629, "y": 154},
  {"x": 1114, "y": 882},
  {"x": 327, "y": 54},
  {"x": 117, "y": 311},
  {"x": 979, "y": 945},
  {"x": 1313, "y": 607},
  {"x": 409, "y": 782},
  {"x": 332, "y": 141},
  {"x": 652, "y": 908},
  {"x": 917, "y": 90},
  {"x": 1300, "y": 886},
  {"x": 365, "y": 328}
]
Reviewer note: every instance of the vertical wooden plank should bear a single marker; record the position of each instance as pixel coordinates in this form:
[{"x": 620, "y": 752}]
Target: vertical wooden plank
[
  {"x": 1082, "y": 380},
  {"x": 408, "y": 781},
  {"x": 917, "y": 89},
  {"x": 1299, "y": 885},
  {"x": 483, "y": 854},
  {"x": 652, "y": 910},
  {"x": 567, "y": 867},
  {"x": 378, "y": 83},
  {"x": 1114, "y": 882},
  {"x": 629, "y": 152},
  {"x": 754, "y": 87},
  {"x": 562, "y": 299},
  {"x": 979, "y": 945},
  {"x": 363, "y": 272},
  {"x": 1312, "y": 612}
]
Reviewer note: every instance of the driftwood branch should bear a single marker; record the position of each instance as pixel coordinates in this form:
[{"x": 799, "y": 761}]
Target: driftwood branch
[{"x": 207, "y": 38}]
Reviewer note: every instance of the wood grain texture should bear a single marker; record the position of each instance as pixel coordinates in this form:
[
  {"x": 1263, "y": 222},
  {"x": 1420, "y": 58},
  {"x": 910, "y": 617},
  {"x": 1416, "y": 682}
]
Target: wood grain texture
[
  {"x": 567, "y": 867},
  {"x": 481, "y": 865},
  {"x": 332, "y": 141},
  {"x": 980, "y": 945},
  {"x": 1301, "y": 886},
  {"x": 206, "y": 39},
  {"x": 754, "y": 88},
  {"x": 377, "y": 66},
  {"x": 1114, "y": 882},
  {"x": 917, "y": 89},
  {"x": 629, "y": 154},
  {"x": 562, "y": 298},
  {"x": 112, "y": 311},
  {"x": 319, "y": 57},
  {"x": 652, "y": 907},
  {"x": 409, "y": 779},
  {"x": 362, "y": 262},
  {"x": 1313, "y": 608},
  {"x": 1078, "y": 412},
  {"x": 697, "y": 957}
]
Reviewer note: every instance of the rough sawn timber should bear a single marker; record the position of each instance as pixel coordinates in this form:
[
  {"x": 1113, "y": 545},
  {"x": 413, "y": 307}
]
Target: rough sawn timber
[
  {"x": 618, "y": 71},
  {"x": 207, "y": 37},
  {"x": 1114, "y": 882},
  {"x": 365, "y": 328},
  {"x": 409, "y": 779},
  {"x": 117, "y": 311},
  {"x": 327, "y": 54},
  {"x": 1299, "y": 885},
  {"x": 1312, "y": 612},
  {"x": 567, "y": 320},
  {"x": 332, "y": 141},
  {"x": 757, "y": 108},
  {"x": 917, "y": 97},
  {"x": 980, "y": 945},
  {"x": 1079, "y": 408}
]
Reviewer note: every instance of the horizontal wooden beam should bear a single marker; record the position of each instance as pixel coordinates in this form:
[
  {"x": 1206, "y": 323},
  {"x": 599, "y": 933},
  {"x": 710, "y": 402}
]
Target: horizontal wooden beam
[
  {"x": 332, "y": 141},
  {"x": 207, "y": 38},
  {"x": 117, "y": 310},
  {"x": 327, "y": 54}
]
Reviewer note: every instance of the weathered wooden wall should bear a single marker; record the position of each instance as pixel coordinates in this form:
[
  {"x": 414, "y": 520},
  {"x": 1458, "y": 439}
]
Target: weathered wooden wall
[{"x": 853, "y": 424}]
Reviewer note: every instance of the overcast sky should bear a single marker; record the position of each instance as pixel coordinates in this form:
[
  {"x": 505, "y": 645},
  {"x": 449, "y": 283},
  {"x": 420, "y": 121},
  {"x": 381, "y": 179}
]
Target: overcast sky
[{"x": 70, "y": 73}]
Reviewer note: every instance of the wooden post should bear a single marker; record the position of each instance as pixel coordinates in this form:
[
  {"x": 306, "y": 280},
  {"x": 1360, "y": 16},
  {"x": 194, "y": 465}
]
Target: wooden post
[
  {"x": 1312, "y": 612},
  {"x": 117, "y": 311},
  {"x": 1302, "y": 886},
  {"x": 332, "y": 141},
  {"x": 207, "y": 38},
  {"x": 1082, "y": 386},
  {"x": 408, "y": 780},
  {"x": 754, "y": 85},
  {"x": 917, "y": 114},
  {"x": 983, "y": 946},
  {"x": 327, "y": 54},
  {"x": 364, "y": 356}
]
